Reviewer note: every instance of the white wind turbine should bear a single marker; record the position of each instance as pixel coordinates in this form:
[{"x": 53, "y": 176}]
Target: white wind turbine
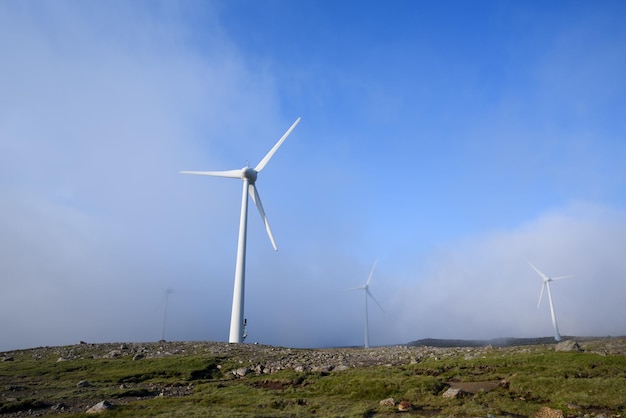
[
  {"x": 366, "y": 288},
  {"x": 248, "y": 176},
  {"x": 546, "y": 285},
  {"x": 168, "y": 292}
]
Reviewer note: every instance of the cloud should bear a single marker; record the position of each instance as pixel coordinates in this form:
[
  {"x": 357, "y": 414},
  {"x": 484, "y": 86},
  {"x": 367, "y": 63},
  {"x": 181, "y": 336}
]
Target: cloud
[
  {"x": 103, "y": 105},
  {"x": 482, "y": 287},
  {"x": 101, "y": 108}
]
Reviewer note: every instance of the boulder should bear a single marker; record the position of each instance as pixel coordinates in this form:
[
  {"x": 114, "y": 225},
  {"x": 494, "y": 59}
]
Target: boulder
[
  {"x": 405, "y": 406},
  {"x": 322, "y": 368},
  {"x": 100, "y": 407},
  {"x": 58, "y": 407},
  {"x": 453, "y": 393},
  {"x": 113, "y": 354},
  {"x": 83, "y": 384},
  {"x": 387, "y": 402},
  {"x": 569, "y": 345},
  {"x": 241, "y": 372}
]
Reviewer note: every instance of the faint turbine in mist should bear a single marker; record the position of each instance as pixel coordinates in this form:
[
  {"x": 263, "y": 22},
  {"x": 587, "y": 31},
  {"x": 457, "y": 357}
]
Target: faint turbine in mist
[
  {"x": 546, "y": 285},
  {"x": 166, "y": 297},
  {"x": 366, "y": 289}
]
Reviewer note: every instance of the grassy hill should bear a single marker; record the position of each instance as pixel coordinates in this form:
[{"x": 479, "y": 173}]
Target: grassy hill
[
  {"x": 496, "y": 342},
  {"x": 219, "y": 379}
]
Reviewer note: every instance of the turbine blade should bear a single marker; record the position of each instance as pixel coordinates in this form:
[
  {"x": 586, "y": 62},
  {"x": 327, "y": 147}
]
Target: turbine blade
[
  {"x": 255, "y": 197},
  {"x": 355, "y": 288},
  {"x": 541, "y": 294},
  {"x": 269, "y": 155},
  {"x": 369, "y": 279},
  {"x": 543, "y": 276},
  {"x": 235, "y": 174},
  {"x": 374, "y": 299},
  {"x": 562, "y": 277}
]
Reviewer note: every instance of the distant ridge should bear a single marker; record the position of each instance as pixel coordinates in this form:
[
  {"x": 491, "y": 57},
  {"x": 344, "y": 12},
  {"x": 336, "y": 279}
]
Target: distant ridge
[{"x": 496, "y": 342}]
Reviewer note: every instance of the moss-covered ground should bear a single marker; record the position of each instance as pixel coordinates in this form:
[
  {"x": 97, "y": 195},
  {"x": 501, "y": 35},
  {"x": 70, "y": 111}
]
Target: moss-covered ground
[{"x": 497, "y": 383}]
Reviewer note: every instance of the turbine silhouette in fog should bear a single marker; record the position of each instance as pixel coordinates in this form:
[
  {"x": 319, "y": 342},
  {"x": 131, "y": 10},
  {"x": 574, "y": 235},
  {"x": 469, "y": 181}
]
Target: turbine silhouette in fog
[
  {"x": 546, "y": 285},
  {"x": 366, "y": 288}
]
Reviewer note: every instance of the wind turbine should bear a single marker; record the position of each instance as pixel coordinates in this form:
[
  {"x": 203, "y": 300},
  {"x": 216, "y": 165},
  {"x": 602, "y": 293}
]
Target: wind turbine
[
  {"x": 546, "y": 285},
  {"x": 168, "y": 292},
  {"x": 249, "y": 176},
  {"x": 366, "y": 288}
]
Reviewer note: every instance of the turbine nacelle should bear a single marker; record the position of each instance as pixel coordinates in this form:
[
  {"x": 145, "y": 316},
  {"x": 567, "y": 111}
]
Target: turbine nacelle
[{"x": 250, "y": 174}]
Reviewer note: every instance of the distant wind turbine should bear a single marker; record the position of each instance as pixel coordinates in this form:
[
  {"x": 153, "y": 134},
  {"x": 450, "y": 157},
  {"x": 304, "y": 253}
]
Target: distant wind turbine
[
  {"x": 546, "y": 285},
  {"x": 168, "y": 292},
  {"x": 366, "y": 288},
  {"x": 248, "y": 176}
]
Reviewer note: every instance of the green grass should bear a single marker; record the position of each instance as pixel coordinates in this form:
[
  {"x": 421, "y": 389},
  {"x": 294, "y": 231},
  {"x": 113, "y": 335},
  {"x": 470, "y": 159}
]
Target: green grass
[{"x": 202, "y": 385}]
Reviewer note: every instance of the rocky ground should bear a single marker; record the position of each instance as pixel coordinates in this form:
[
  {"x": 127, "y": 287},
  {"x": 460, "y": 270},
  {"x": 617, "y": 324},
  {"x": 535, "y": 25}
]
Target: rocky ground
[{"x": 262, "y": 359}]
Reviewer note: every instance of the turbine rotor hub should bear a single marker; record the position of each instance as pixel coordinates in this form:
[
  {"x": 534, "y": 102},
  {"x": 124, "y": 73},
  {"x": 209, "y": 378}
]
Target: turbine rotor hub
[{"x": 250, "y": 174}]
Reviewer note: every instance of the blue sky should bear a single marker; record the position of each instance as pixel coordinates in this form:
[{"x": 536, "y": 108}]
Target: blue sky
[{"x": 451, "y": 141}]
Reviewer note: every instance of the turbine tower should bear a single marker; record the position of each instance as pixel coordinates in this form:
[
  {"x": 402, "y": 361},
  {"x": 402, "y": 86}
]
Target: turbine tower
[
  {"x": 546, "y": 285},
  {"x": 249, "y": 176},
  {"x": 168, "y": 292},
  {"x": 366, "y": 288}
]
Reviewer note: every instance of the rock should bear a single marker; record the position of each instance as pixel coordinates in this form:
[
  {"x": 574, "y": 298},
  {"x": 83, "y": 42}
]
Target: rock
[
  {"x": 546, "y": 412},
  {"x": 138, "y": 356},
  {"x": 113, "y": 354},
  {"x": 568, "y": 345},
  {"x": 387, "y": 402},
  {"x": 100, "y": 407},
  {"x": 9, "y": 358},
  {"x": 405, "y": 406},
  {"x": 123, "y": 346},
  {"x": 83, "y": 384},
  {"x": 241, "y": 372},
  {"x": 59, "y": 407},
  {"x": 341, "y": 368},
  {"x": 323, "y": 368},
  {"x": 453, "y": 393},
  {"x": 60, "y": 359}
]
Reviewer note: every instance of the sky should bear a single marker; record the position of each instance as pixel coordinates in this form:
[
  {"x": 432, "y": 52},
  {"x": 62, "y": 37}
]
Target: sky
[{"x": 450, "y": 141}]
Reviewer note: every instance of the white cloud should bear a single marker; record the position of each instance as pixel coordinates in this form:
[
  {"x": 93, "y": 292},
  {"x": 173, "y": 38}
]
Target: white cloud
[
  {"x": 483, "y": 288},
  {"x": 101, "y": 107}
]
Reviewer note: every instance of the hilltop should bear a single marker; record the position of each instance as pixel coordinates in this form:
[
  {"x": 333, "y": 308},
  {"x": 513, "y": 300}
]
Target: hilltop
[
  {"x": 221, "y": 379},
  {"x": 500, "y": 342}
]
